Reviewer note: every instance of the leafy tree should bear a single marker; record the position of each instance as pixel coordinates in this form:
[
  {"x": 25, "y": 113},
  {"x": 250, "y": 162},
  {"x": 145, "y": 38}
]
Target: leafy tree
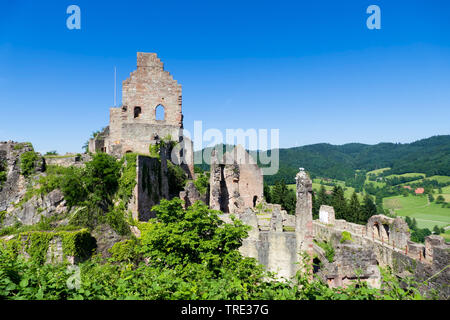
[
  {"x": 73, "y": 187},
  {"x": 368, "y": 209},
  {"x": 267, "y": 193},
  {"x": 439, "y": 199},
  {"x": 202, "y": 182},
  {"x": 354, "y": 208},
  {"x": 177, "y": 178},
  {"x": 436, "y": 230},
  {"x": 339, "y": 203},
  {"x": 323, "y": 197},
  {"x": 284, "y": 196},
  {"x": 315, "y": 207},
  {"x": 419, "y": 235},
  {"x": 101, "y": 179},
  {"x": 196, "y": 235}
]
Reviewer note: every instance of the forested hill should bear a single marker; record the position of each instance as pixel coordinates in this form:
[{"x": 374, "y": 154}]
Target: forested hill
[{"x": 430, "y": 156}]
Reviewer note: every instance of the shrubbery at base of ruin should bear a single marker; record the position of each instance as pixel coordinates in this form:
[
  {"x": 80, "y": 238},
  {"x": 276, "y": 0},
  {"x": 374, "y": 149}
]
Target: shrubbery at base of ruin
[{"x": 184, "y": 254}]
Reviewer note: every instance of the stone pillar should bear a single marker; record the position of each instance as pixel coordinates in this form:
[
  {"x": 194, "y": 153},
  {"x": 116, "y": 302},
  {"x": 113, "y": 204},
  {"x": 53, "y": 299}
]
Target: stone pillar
[
  {"x": 214, "y": 182},
  {"x": 303, "y": 213}
]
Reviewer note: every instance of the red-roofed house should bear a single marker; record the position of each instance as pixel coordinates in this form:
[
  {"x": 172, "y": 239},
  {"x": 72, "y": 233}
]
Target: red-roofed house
[{"x": 419, "y": 190}]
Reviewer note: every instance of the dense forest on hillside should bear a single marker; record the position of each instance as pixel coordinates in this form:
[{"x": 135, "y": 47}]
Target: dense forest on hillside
[{"x": 430, "y": 156}]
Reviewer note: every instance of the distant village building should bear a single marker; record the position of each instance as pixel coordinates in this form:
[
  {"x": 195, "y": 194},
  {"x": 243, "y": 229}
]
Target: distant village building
[
  {"x": 407, "y": 187},
  {"x": 419, "y": 191}
]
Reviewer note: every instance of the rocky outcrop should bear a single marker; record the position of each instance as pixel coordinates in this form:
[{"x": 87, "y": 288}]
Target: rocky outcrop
[
  {"x": 190, "y": 195},
  {"x": 105, "y": 237},
  {"x": 15, "y": 187},
  {"x": 32, "y": 211}
]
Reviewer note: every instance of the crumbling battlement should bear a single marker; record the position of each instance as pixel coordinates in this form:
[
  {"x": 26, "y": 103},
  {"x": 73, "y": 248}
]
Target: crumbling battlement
[{"x": 389, "y": 239}]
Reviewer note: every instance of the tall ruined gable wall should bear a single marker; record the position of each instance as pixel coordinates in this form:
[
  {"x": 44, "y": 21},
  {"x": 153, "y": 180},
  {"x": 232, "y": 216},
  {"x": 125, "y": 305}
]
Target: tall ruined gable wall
[
  {"x": 150, "y": 86},
  {"x": 147, "y": 88}
]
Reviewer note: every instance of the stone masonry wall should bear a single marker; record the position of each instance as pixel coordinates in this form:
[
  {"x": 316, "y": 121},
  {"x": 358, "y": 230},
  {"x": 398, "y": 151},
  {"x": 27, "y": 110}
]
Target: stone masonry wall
[
  {"x": 423, "y": 262},
  {"x": 236, "y": 181}
]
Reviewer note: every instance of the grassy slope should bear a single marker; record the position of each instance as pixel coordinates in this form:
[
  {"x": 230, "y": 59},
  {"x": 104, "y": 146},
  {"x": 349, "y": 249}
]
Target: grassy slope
[{"x": 427, "y": 214}]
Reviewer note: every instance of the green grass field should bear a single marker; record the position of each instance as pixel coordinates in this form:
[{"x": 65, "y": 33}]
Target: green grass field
[
  {"x": 410, "y": 174},
  {"x": 440, "y": 179},
  {"x": 427, "y": 214},
  {"x": 378, "y": 171}
]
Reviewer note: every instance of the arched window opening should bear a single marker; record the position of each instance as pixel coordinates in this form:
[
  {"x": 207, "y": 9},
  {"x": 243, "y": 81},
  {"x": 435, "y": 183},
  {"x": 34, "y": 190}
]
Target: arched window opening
[
  {"x": 128, "y": 151},
  {"x": 255, "y": 199},
  {"x": 137, "y": 112},
  {"x": 124, "y": 108},
  {"x": 159, "y": 113}
]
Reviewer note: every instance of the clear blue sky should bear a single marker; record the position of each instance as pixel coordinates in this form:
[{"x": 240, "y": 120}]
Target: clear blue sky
[{"x": 309, "y": 68}]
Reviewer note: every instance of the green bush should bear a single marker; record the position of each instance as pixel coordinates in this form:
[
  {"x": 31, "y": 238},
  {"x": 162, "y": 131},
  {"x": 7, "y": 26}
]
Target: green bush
[
  {"x": 346, "y": 236},
  {"x": 328, "y": 248},
  {"x": 3, "y": 177},
  {"x": 27, "y": 162},
  {"x": 117, "y": 220},
  {"x": 73, "y": 186},
  {"x": 201, "y": 183},
  {"x": 127, "y": 181},
  {"x": 177, "y": 178}
]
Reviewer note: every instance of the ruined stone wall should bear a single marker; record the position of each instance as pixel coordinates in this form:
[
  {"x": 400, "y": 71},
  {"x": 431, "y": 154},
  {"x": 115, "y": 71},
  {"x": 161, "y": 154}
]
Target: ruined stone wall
[
  {"x": 276, "y": 239},
  {"x": 151, "y": 186},
  {"x": 268, "y": 242},
  {"x": 68, "y": 160},
  {"x": 423, "y": 262},
  {"x": 236, "y": 181}
]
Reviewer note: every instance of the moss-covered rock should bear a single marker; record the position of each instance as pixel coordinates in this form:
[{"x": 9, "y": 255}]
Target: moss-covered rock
[{"x": 74, "y": 245}]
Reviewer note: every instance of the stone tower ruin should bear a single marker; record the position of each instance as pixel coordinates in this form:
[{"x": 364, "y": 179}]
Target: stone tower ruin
[
  {"x": 236, "y": 181},
  {"x": 150, "y": 111}
]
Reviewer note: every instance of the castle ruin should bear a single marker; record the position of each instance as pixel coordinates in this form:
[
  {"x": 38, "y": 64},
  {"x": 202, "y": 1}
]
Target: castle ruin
[{"x": 150, "y": 111}]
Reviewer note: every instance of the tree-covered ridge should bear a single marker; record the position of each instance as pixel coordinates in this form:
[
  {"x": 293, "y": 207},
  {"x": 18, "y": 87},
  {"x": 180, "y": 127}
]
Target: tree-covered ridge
[{"x": 430, "y": 156}]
